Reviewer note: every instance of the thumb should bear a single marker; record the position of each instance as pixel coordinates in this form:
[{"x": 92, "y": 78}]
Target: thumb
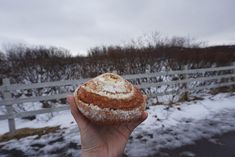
[
  {"x": 133, "y": 125},
  {"x": 77, "y": 115}
]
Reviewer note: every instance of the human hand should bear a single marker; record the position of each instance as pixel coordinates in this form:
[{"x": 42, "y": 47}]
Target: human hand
[{"x": 102, "y": 140}]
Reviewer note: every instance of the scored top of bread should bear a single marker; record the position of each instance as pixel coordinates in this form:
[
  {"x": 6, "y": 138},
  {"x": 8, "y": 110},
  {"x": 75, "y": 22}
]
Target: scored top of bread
[
  {"x": 110, "y": 85},
  {"x": 110, "y": 91}
]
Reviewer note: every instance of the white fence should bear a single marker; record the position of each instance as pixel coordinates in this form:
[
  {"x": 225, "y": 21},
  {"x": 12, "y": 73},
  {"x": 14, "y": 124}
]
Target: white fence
[{"x": 187, "y": 76}]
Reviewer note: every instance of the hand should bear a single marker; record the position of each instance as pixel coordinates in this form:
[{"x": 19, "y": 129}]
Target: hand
[{"x": 105, "y": 140}]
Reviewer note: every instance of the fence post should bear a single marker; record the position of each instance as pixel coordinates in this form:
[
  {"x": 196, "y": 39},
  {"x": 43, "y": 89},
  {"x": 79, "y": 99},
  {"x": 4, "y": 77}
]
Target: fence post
[
  {"x": 186, "y": 94},
  {"x": 7, "y": 96}
]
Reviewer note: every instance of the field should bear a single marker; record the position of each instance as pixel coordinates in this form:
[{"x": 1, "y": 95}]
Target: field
[{"x": 165, "y": 128}]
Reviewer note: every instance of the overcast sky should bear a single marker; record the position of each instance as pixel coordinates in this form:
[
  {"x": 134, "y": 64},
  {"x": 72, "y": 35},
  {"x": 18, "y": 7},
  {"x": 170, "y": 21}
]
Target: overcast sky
[{"x": 79, "y": 25}]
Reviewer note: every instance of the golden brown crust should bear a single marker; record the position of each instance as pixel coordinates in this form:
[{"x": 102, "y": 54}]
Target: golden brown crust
[
  {"x": 109, "y": 99},
  {"x": 106, "y": 102},
  {"x": 107, "y": 116}
]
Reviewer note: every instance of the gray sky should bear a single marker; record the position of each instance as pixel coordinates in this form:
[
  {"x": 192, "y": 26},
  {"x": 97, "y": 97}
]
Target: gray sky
[{"x": 79, "y": 25}]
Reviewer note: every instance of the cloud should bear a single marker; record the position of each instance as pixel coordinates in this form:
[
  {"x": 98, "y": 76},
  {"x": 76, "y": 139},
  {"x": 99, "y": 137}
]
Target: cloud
[{"x": 79, "y": 25}]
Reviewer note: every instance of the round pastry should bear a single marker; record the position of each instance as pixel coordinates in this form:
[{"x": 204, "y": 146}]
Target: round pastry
[{"x": 110, "y": 99}]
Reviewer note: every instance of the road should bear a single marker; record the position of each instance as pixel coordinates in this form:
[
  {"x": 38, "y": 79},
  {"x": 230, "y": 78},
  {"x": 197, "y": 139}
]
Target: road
[{"x": 218, "y": 146}]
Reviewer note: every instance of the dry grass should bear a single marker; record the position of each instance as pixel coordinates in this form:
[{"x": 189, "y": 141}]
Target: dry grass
[
  {"x": 24, "y": 132},
  {"x": 228, "y": 89},
  {"x": 184, "y": 97}
]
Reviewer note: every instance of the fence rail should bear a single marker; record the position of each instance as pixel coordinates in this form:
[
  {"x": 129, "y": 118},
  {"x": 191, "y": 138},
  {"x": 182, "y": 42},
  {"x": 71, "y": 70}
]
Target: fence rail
[{"x": 8, "y": 101}]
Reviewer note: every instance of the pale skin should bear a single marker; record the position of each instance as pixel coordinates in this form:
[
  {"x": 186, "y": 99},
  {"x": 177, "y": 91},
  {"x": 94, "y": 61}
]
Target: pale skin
[{"x": 105, "y": 140}]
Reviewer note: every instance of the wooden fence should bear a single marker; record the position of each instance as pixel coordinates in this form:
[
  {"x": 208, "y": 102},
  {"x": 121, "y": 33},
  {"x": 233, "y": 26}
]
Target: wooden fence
[{"x": 187, "y": 76}]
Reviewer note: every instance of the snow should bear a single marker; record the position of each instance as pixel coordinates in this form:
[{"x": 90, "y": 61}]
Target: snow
[
  {"x": 180, "y": 125},
  {"x": 165, "y": 128},
  {"x": 63, "y": 118}
]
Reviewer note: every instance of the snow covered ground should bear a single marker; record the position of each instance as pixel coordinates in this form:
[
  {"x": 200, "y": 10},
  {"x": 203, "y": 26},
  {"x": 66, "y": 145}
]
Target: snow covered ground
[{"x": 164, "y": 128}]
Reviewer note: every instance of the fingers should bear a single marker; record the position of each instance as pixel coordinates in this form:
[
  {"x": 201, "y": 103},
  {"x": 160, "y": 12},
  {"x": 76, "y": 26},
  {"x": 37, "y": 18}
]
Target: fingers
[
  {"x": 145, "y": 98},
  {"x": 144, "y": 116},
  {"x": 79, "y": 118},
  {"x": 82, "y": 122},
  {"x": 132, "y": 126}
]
